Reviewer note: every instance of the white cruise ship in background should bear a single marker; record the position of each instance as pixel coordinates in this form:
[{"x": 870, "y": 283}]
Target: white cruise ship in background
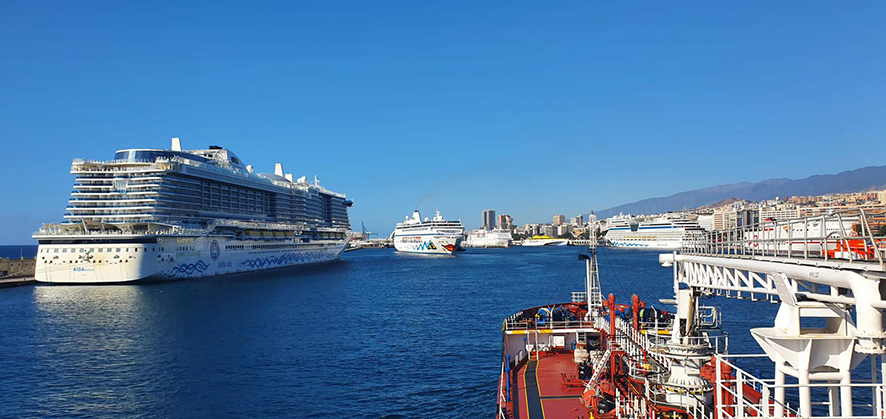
[
  {"x": 544, "y": 241},
  {"x": 489, "y": 238},
  {"x": 663, "y": 233},
  {"x": 173, "y": 214},
  {"x": 435, "y": 236}
]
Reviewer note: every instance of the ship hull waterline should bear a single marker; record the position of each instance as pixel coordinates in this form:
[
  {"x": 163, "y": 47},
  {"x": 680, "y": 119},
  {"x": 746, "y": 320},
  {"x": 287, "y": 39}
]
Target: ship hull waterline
[{"x": 134, "y": 262}]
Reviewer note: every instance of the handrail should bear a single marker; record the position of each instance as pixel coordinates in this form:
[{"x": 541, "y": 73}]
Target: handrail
[
  {"x": 734, "y": 384},
  {"x": 160, "y": 162},
  {"x": 502, "y": 399},
  {"x": 839, "y": 236}
]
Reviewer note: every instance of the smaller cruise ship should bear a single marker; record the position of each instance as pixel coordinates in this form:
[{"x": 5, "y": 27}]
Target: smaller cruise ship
[
  {"x": 544, "y": 241},
  {"x": 489, "y": 238},
  {"x": 434, "y": 236},
  {"x": 663, "y": 233}
]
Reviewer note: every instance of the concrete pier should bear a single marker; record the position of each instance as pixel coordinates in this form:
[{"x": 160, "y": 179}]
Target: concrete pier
[
  {"x": 15, "y": 272},
  {"x": 17, "y": 281}
]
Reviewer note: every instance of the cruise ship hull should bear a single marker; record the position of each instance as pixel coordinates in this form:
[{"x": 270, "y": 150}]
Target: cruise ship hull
[
  {"x": 545, "y": 242},
  {"x": 174, "y": 258},
  {"x": 427, "y": 244},
  {"x": 488, "y": 243},
  {"x": 651, "y": 243}
]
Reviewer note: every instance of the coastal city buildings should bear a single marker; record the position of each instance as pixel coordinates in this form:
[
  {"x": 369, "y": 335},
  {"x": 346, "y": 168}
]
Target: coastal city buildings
[
  {"x": 736, "y": 213},
  {"x": 489, "y": 219},
  {"x": 725, "y": 215},
  {"x": 506, "y": 222}
]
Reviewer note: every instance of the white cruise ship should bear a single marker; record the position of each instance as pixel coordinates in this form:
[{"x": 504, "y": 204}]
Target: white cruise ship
[
  {"x": 664, "y": 233},
  {"x": 435, "y": 236},
  {"x": 489, "y": 238},
  {"x": 172, "y": 214},
  {"x": 544, "y": 241}
]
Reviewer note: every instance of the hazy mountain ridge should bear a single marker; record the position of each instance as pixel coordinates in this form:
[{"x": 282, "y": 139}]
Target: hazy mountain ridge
[{"x": 861, "y": 179}]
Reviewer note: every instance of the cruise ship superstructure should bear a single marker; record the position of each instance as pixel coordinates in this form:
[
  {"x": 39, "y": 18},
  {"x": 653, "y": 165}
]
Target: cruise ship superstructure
[
  {"x": 431, "y": 236},
  {"x": 663, "y": 233},
  {"x": 174, "y": 214}
]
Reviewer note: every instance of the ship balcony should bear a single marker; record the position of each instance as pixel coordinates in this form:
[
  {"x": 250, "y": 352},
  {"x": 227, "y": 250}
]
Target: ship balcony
[{"x": 103, "y": 202}]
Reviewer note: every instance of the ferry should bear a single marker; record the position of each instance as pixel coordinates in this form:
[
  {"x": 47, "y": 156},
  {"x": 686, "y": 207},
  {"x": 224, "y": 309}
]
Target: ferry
[
  {"x": 434, "y": 236},
  {"x": 544, "y": 241},
  {"x": 489, "y": 238},
  {"x": 663, "y": 233},
  {"x": 594, "y": 356},
  {"x": 169, "y": 214}
]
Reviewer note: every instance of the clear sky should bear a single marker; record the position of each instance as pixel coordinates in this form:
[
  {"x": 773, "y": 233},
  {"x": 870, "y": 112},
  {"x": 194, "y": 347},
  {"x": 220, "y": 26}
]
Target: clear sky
[{"x": 531, "y": 108}]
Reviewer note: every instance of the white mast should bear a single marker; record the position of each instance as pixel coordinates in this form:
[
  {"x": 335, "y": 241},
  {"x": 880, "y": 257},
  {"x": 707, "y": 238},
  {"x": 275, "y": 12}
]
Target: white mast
[{"x": 592, "y": 281}]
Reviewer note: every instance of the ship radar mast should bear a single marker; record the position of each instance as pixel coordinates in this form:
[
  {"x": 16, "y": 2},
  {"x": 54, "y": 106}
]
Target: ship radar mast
[{"x": 593, "y": 293}]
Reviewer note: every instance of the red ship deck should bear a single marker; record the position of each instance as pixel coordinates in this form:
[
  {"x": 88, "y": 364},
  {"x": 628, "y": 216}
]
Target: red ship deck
[{"x": 540, "y": 392}]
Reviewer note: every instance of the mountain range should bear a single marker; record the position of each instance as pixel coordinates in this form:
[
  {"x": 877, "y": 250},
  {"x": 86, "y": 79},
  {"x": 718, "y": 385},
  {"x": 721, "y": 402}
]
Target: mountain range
[{"x": 865, "y": 178}]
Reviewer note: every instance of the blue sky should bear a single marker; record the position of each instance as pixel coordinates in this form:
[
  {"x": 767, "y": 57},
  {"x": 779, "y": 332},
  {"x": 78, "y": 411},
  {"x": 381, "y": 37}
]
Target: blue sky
[{"x": 531, "y": 108}]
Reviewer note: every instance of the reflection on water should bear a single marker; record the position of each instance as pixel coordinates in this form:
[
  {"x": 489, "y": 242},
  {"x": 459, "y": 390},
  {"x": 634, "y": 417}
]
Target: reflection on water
[
  {"x": 95, "y": 336},
  {"x": 375, "y": 334}
]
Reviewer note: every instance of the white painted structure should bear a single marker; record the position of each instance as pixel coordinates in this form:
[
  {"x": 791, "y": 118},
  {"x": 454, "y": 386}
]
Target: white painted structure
[
  {"x": 544, "y": 241},
  {"x": 664, "y": 233},
  {"x": 845, "y": 290},
  {"x": 435, "y": 236},
  {"x": 154, "y": 214},
  {"x": 489, "y": 238}
]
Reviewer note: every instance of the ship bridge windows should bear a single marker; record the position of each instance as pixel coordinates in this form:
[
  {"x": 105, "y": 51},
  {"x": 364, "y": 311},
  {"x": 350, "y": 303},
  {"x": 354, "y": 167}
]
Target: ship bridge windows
[{"x": 135, "y": 156}]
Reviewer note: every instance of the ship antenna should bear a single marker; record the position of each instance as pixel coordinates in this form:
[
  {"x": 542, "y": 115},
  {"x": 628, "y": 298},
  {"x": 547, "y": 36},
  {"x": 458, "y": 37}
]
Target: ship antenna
[{"x": 592, "y": 283}]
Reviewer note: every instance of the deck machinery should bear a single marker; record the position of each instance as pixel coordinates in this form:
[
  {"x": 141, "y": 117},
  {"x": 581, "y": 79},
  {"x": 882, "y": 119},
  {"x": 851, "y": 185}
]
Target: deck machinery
[{"x": 595, "y": 357}]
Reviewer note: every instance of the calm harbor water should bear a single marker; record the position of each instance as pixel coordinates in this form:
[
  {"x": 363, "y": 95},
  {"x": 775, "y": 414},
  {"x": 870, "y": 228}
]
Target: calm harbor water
[{"x": 378, "y": 333}]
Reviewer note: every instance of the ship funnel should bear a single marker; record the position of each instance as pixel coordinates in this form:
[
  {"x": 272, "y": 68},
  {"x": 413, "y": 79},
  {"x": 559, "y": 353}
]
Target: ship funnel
[
  {"x": 176, "y": 144},
  {"x": 278, "y": 169},
  {"x": 288, "y": 177},
  {"x": 249, "y": 168},
  {"x": 416, "y": 216}
]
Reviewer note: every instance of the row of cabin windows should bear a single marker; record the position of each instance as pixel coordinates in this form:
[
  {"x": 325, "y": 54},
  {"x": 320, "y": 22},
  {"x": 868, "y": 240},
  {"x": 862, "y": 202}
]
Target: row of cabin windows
[{"x": 99, "y": 250}]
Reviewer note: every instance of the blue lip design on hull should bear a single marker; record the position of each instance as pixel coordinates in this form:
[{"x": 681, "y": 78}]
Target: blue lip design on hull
[
  {"x": 188, "y": 269},
  {"x": 286, "y": 259}
]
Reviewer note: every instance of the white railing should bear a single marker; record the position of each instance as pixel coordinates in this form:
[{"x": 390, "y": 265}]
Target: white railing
[
  {"x": 161, "y": 165},
  {"x": 742, "y": 406},
  {"x": 502, "y": 398},
  {"x": 77, "y": 230},
  {"x": 512, "y": 324},
  {"x": 856, "y": 235}
]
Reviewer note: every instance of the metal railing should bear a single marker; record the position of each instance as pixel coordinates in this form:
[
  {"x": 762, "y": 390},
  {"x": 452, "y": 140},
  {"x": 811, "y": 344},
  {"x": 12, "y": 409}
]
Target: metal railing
[
  {"x": 855, "y": 235},
  {"x": 742, "y": 405},
  {"x": 77, "y": 230},
  {"x": 161, "y": 164},
  {"x": 502, "y": 397},
  {"x": 526, "y": 324}
]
